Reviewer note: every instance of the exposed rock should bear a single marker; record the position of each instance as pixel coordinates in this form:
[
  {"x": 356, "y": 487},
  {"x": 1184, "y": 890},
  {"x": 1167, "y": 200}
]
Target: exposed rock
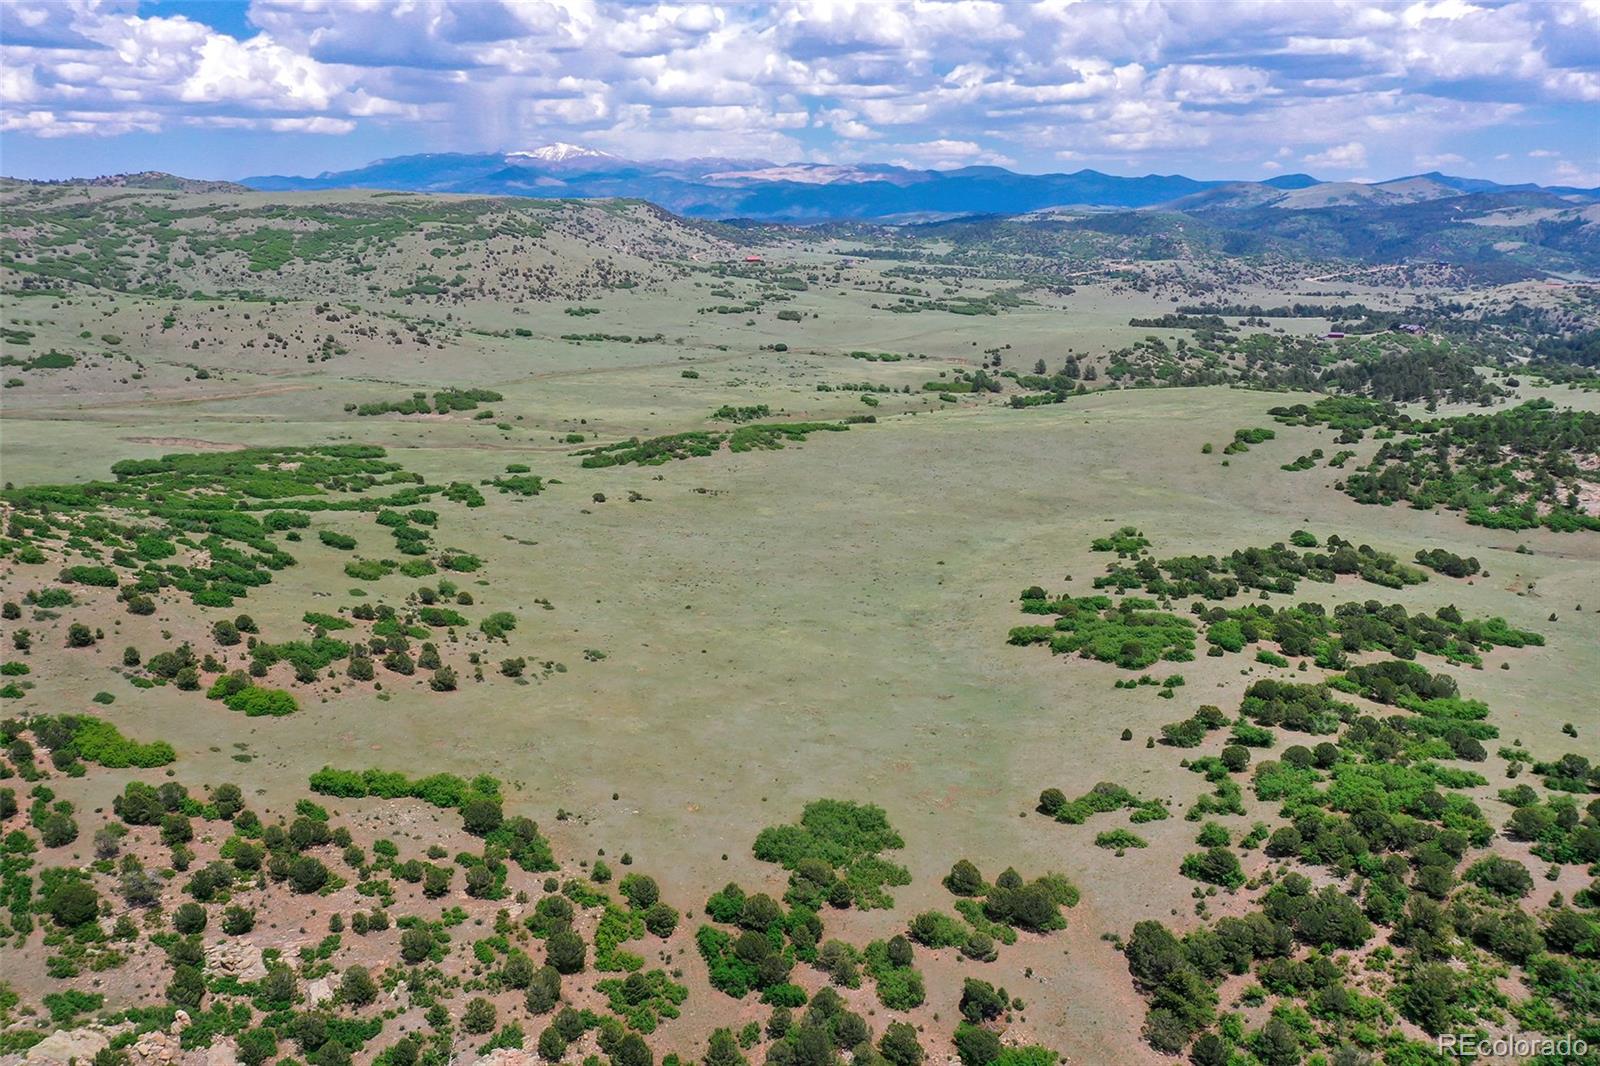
[
  {"x": 64, "y": 1045},
  {"x": 319, "y": 991},
  {"x": 157, "y": 1048},
  {"x": 236, "y": 958},
  {"x": 509, "y": 1057},
  {"x": 222, "y": 1053}
]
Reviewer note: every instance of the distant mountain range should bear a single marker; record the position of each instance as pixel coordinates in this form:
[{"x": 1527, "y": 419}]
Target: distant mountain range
[
  {"x": 1497, "y": 232},
  {"x": 812, "y": 192}
]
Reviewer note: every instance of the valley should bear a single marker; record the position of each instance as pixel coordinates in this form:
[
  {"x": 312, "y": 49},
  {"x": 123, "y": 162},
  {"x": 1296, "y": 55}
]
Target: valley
[{"x": 581, "y": 544}]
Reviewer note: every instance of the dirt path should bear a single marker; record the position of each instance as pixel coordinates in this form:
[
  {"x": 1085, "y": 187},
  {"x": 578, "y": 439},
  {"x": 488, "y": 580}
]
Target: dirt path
[{"x": 194, "y": 443}]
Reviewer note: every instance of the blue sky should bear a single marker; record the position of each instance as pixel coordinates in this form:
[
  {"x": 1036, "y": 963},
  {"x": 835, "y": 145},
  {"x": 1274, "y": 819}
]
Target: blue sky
[{"x": 1346, "y": 90}]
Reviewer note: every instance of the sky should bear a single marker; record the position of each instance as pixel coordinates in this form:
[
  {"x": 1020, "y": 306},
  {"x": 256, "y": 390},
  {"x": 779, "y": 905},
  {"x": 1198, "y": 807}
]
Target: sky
[{"x": 1212, "y": 89}]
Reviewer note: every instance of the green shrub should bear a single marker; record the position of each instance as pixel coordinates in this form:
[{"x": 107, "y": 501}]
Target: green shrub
[{"x": 255, "y": 702}]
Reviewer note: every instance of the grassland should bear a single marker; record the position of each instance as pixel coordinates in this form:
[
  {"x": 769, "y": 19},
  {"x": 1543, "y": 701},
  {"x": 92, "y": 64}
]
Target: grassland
[{"x": 714, "y": 641}]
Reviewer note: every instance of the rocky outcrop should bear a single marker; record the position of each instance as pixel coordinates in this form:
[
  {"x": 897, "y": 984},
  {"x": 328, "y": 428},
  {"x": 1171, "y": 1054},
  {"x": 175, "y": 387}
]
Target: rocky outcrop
[
  {"x": 236, "y": 958},
  {"x": 155, "y": 1048},
  {"x": 509, "y": 1057},
  {"x": 66, "y": 1045}
]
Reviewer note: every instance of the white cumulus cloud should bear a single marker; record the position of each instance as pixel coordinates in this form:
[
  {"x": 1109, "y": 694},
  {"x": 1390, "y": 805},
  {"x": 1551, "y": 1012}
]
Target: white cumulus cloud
[
  {"x": 1343, "y": 86},
  {"x": 1352, "y": 155}
]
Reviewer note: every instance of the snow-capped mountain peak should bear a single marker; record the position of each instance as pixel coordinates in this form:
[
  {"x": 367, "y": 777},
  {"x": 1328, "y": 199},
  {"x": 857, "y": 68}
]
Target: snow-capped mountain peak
[{"x": 561, "y": 152}]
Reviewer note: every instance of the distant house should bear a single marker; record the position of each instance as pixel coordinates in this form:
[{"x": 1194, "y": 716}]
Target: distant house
[
  {"x": 1412, "y": 328},
  {"x": 752, "y": 259},
  {"x": 1334, "y": 335}
]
